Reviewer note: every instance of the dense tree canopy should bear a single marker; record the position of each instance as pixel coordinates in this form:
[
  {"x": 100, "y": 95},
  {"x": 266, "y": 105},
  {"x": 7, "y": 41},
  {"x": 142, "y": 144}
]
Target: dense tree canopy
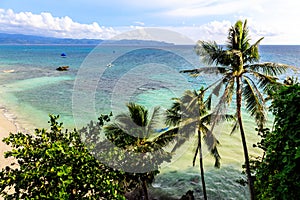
[
  {"x": 55, "y": 164},
  {"x": 278, "y": 174},
  {"x": 86, "y": 163}
]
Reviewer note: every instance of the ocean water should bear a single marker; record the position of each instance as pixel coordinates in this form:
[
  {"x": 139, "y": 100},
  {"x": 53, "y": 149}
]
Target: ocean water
[{"x": 104, "y": 78}]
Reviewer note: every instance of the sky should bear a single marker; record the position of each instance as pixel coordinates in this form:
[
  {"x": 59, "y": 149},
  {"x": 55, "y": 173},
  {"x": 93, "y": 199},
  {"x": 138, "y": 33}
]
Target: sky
[{"x": 278, "y": 21}]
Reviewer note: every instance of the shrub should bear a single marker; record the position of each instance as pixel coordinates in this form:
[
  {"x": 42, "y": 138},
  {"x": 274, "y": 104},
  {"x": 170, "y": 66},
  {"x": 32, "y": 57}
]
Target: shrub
[
  {"x": 278, "y": 173},
  {"x": 54, "y": 164}
]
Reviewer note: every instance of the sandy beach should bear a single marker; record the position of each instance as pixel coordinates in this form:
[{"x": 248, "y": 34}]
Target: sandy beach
[{"x": 6, "y": 127}]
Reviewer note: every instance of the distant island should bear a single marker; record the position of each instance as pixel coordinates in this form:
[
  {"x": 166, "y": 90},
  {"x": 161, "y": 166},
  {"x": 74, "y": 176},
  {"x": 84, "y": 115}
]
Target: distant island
[
  {"x": 20, "y": 39},
  {"x": 6, "y": 38}
]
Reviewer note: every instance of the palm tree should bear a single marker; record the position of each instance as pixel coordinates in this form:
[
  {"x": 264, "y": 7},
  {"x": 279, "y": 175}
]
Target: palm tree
[
  {"x": 189, "y": 115},
  {"x": 242, "y": 74},
  {"x": 136, "y": 132}
]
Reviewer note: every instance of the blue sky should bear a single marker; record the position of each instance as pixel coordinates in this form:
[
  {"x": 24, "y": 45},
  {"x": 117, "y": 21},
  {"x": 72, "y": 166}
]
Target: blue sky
[{"x": 276, "y": 20}]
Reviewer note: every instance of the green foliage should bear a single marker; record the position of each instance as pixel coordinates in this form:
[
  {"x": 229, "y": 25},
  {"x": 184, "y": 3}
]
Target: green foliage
[
  {"x": 278, "y": 173},
  {"x": 54, "y": 164},
  {"x": 238, "y": 63},
  {"x": 189, "y": 114},
  {"x": 240, "y": 75},
  {"x": 138, "y": 146}
]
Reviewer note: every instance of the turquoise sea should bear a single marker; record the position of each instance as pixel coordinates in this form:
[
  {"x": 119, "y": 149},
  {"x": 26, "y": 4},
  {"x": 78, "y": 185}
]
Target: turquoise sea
[{"x": 104, "y": 78}]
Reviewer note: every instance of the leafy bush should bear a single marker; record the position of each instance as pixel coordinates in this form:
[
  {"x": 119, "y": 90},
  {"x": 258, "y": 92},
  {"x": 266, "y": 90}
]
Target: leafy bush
[
  {"x": 54, "y": 164},
  {"x": 278, "y": 174}
]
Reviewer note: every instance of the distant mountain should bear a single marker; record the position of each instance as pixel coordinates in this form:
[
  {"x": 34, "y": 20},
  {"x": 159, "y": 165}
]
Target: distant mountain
[
  {"x": 31, "y": 39},
  {"x": 133, "y": 42}
]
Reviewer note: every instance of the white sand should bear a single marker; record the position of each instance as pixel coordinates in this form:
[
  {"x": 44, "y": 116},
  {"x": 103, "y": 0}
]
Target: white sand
[{"x": 6, "y": 127}]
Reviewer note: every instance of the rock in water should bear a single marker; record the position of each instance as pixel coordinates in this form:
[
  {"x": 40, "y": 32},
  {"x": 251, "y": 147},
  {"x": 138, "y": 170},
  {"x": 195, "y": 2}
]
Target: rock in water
[{"x": 62, "y": 68}]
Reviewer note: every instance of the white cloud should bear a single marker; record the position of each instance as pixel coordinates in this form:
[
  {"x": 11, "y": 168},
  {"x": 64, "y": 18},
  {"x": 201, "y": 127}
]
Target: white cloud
[
  {"x": 45, "y": 24},
  {"x": 157, "y": 4},
  {"x": 218, "y": 30},
  {"x": 140, "y": 23},
  {"x": 213, "y": 31},
  {"x": 276, "y": 20},
  {"x": 207, "y": 8}
]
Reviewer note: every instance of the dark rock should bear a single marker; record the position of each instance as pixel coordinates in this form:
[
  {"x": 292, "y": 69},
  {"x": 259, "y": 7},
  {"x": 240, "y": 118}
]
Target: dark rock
[
  {"x": 188, "y": 196},
  {"x": 62, "y": 68}
]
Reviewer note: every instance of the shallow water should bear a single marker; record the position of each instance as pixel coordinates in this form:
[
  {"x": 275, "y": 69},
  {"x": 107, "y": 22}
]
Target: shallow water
[{"x": 220, "y": 184}]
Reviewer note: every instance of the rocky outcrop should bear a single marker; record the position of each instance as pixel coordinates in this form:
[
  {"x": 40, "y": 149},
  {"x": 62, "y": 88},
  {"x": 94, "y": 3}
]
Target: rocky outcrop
[{"x": 62, "y": 68}]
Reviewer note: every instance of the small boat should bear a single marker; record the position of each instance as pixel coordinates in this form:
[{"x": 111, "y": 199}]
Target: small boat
[
  {"x": 63, "y": 55},
  {"x": 109, "y": 65},
  {"x": 8, "y": 71}
]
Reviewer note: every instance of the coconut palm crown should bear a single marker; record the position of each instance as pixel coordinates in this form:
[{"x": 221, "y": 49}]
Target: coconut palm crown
[
  {"x": 137, "y": 133},
  {"x": 189, "y": 115},
  {"x": 237, "y": 62}
]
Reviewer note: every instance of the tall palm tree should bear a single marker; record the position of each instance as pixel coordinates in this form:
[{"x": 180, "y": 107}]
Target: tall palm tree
[
  {"x": 136, "y": 131},
  {"x": 189, "y": 115},
  {"x": 242, "y": 74}
]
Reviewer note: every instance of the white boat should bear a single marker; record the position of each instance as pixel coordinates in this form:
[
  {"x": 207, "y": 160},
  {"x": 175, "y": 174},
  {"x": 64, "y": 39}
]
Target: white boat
[
  {"x": 109, "y": 65},
  {"x": 8, "y": 71}
]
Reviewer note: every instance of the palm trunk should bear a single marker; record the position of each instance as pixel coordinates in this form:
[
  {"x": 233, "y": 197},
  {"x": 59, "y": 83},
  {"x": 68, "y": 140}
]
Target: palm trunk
[
  {"x": 239, "y": 116},
  {"x": 201, "y": 166},
  {"x": 145, "y": 190}
]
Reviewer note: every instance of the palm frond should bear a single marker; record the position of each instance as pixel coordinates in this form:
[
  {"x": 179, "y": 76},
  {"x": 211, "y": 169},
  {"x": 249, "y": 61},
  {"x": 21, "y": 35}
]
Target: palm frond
[
  {"x": 153, "y": 121},
  {"x": 205, "y": 70},
  {"x": 208, "y": 102},
  {"x": 225, "y": 117},
  {"x": 138, "y": 114},
  {"x": 222, "y": 81},
  {"x": 264, "y": 81},
  {"x": 207, "y": 119},
  {"x": 221, "y": 107},
  {"x": 182, "y": 134},
  {"x": 165, "y": 138},
  {"x": 209, "y": 52},
  {"x": 189, "y": 97},
  {"x": 217, "y": 157},
  {"x": 118, "y": 136},
  {"x": 193, "y": 113},
  {"x": 255, "y": 103},
  {"x": 217, "y": 88},
  {"x": 245, "y": 37},
  {"x": 225, "y": 100},
  {"x": 251, "y": 54},
  {"x": 213, "y": 84},
  {"x": 178, "y": 143},
  {"x": 269, "y": 68},
  {"x": 235, "y": 36},
  {"x": 211, "y": 142},
  {"x": 235, "y": 127},
  {"x": 191, "y": 104},
  {"x": 254, "y": 85},
  {"x": 209, "y": 138},
  {"x": 127, "y": 125},
  {"x": 173, "y": 114}
]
